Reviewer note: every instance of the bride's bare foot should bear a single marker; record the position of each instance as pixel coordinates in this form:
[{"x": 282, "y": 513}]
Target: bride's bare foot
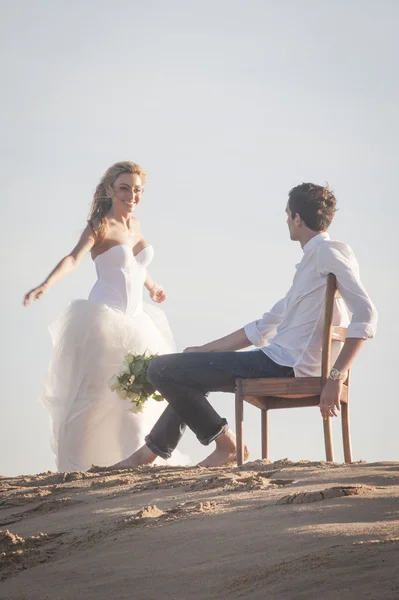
[
  {"x": 142, "y": 456},
  {"x": 225, "y": 452}
]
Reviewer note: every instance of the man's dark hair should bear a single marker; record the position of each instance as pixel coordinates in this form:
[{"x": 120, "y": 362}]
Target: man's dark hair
[{"x": 314, "y": 204}]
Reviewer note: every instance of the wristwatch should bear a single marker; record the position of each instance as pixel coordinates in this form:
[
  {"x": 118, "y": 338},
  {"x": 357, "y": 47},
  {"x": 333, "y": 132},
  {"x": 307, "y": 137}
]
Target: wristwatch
[{"x": 336, "y": 375}]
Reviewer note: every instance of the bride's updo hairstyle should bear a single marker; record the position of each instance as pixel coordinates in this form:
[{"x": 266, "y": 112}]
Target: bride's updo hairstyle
[{"x": 102, "y": 202}]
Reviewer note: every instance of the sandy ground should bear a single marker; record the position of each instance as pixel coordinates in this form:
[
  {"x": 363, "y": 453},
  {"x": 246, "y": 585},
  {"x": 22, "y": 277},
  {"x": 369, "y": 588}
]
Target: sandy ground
[{"x": 279, "y": 530}]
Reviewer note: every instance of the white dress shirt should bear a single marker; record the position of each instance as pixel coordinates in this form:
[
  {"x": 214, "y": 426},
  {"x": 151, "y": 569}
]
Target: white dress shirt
[{"x": 291, "y": 333}]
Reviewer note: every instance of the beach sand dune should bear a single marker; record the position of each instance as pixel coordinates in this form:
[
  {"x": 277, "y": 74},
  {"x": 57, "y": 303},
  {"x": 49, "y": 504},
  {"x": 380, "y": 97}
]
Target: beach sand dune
[{"x": 279, "y": 530}]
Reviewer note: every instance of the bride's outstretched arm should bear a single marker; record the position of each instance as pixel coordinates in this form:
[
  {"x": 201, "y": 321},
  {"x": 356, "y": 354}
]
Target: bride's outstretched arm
[{"x": 64, "y": 267}]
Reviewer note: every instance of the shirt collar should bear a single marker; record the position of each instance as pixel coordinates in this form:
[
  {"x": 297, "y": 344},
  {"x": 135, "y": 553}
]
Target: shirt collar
[{"x": 315, "y": 241}]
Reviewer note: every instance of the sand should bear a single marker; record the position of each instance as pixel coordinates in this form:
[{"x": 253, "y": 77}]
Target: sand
[{"x": 279, "y": 530}]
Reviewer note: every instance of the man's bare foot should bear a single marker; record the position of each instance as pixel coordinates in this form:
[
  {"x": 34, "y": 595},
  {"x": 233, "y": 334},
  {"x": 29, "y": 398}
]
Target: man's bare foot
[
  {"x": 225, "y": 453},
  {"x": 142, "y": 456}
]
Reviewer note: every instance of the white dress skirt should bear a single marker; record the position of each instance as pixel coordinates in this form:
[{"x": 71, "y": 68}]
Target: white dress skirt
[{"x": 90, "y": 424}]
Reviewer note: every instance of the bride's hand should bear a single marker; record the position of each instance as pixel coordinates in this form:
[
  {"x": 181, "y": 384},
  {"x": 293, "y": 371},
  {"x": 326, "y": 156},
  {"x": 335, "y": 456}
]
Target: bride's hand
[
  {"x": 35, "y": 294},
  {"x": 157, "y": 294}
]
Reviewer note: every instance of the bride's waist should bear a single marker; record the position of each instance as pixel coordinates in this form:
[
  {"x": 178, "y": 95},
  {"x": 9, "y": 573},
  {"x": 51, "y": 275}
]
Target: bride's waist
[{"x": 120, "y": 300}]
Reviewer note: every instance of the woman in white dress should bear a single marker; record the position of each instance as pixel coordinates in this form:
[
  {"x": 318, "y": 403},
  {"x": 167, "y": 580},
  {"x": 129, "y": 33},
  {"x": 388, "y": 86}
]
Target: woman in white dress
[{"x": 91, "y": 424}]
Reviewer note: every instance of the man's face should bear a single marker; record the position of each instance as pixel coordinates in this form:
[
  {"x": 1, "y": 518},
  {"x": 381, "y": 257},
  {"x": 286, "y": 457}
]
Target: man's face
[{"x": 292, "y": 224}]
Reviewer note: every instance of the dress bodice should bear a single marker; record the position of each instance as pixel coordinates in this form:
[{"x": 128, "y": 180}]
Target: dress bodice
[{"x": 120, "y": 278}]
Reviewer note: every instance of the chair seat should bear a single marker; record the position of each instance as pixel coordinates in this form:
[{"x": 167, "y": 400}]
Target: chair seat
[
  {"x": 282, "y": 386},
  {"x": 287, "y": 387},
  {"x": 276, "y": 402}
]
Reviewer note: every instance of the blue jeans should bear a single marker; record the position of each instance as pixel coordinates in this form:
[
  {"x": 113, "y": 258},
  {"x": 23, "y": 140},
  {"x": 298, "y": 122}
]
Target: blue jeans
[{"x": 184, "y": 380}]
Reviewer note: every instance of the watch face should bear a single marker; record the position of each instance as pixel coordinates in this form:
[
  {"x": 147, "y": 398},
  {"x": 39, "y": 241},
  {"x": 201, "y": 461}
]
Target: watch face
[{"x": 335, "y": 374}]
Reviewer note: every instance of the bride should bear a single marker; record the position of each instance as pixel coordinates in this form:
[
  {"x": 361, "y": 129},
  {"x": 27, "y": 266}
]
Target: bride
[{"x": 91, "y": 424}]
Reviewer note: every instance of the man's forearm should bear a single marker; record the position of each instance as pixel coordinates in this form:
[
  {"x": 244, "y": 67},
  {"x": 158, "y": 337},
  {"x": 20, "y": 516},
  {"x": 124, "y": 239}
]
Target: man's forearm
[
  {"x": 330, "y": 398},
  {"x": 348, "y": 353},
  {"x": 229, "y": 343}
]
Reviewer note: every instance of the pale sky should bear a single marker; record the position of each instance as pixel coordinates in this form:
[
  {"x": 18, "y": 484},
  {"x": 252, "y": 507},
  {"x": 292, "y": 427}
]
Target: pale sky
[{"x": 227, "y": 104}]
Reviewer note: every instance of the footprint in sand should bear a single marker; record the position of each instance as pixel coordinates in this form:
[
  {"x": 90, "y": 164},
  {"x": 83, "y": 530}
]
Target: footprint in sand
[
  {"x": 99, "y": 484},
  {"x": 184, "y": 509},
  {"x": 17, "y": 553},
  {"x": 327, "y": 494},
  {"x": 45, "y": 507},
  {"x": 50, "y": 478}
]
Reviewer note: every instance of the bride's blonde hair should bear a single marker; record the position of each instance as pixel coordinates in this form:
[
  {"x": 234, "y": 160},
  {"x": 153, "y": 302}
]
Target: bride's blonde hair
[{"x": 102, "y": 202}]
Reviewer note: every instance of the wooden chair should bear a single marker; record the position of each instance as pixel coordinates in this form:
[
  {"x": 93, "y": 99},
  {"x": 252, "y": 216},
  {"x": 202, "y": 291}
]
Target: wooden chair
[{"x": 287, "y": 392}]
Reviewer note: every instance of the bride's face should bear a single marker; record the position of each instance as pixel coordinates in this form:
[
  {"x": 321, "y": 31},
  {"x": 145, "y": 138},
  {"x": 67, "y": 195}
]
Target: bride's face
[{"x": 126, "y": 192}]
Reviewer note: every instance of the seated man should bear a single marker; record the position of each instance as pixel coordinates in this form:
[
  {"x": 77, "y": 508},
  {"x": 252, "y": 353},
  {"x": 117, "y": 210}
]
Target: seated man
[{"x": 289, "y": 338}]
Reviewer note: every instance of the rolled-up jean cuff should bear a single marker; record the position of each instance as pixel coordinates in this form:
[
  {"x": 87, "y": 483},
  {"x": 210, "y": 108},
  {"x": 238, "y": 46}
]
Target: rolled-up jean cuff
[
  {"x": 222, "y": 429},
  {"x": 154, "y": 448}
]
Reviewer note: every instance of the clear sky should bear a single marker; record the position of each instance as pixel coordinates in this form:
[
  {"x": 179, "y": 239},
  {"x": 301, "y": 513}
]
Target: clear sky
[{"x": 227, "y": 104}]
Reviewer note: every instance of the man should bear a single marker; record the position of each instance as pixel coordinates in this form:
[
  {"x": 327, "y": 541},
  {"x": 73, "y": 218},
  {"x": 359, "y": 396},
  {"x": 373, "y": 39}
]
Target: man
[{"x": 289, "y": 338}]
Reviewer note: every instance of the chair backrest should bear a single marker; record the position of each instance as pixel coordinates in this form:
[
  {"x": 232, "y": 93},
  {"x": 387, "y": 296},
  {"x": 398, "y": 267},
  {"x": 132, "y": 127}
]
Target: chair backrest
[{"x": 330, "y": 332}]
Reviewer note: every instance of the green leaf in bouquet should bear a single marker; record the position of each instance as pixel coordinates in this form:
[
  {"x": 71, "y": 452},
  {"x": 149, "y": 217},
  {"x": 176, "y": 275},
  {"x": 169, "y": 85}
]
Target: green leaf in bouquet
[
  {"x": 148, "y": 388},
  {"x": 136, "y": 387},
  {"x": 141, "y": 378},
  {"x": 137, "y": 367},
  {"x": 158, "y": 397}
]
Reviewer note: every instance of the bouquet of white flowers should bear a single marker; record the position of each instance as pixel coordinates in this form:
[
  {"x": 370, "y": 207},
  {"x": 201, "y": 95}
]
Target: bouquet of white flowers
[{"x": 131, "y": 381}]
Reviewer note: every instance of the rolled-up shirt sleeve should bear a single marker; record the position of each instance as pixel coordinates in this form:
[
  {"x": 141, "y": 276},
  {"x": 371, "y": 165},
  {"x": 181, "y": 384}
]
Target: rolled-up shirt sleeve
[
  {"x": 260, "y": 331},
  {"x": 338, "y": 258}
]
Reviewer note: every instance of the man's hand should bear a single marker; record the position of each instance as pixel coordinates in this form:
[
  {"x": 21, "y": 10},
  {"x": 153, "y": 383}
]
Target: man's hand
[{"x": 330, "y": 398}]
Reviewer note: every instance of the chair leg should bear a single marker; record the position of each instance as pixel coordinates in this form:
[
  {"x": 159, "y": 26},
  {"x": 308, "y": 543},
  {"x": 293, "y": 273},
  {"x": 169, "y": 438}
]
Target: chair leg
[
  {"x": 239, "y": 424},
  {"x": 265, "y": 432},
  {"x": 346, "y": 436},
  {"x": 328, "y": 441}
]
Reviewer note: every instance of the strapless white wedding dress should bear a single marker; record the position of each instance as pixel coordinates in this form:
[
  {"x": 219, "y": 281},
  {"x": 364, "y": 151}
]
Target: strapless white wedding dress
[{"x": 91, "y": 424}]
